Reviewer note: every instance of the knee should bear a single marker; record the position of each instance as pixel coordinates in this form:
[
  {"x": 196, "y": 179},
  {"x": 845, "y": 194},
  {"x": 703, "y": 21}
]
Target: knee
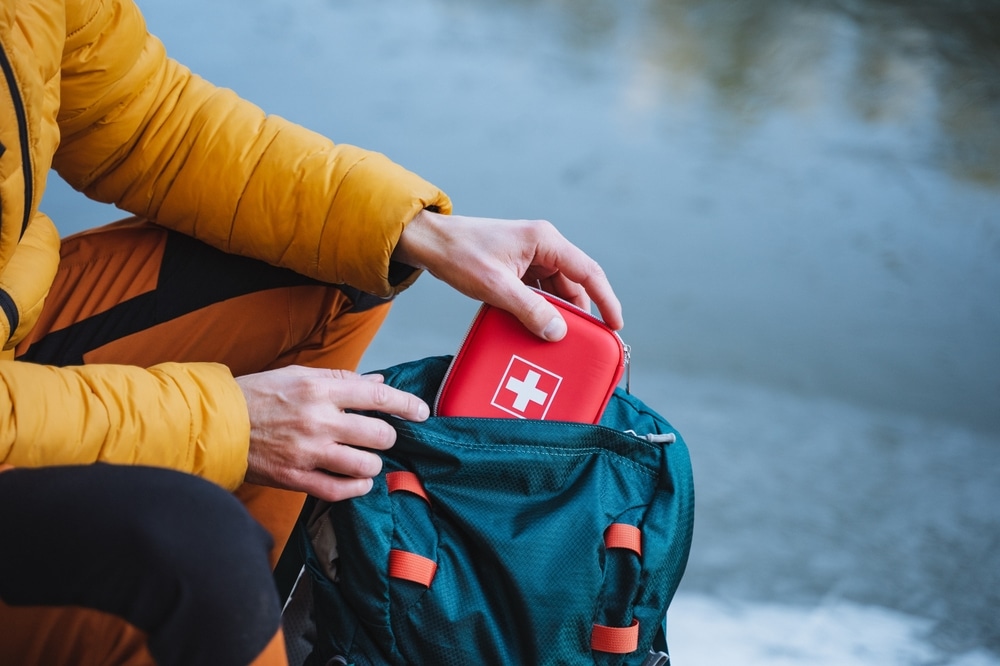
[
  {"x": 206, "y": 566},
  {"x": 174, "y": 555},
  {"x": 197, "y": 533}
]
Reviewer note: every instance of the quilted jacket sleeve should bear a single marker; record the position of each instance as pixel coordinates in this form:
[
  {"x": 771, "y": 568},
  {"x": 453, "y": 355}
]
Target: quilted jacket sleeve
[
  {"x": 142, "y": 131},
  {"x": 122, "y": 418}
]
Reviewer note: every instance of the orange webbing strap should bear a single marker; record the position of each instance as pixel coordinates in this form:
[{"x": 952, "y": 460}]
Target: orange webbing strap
[
  {"x": 407, "y": 481},
  {"x": 619, "y": 640},
  {"x": 403, "y": 564},
  {"x": 621, "y": 535},
  {"x": 616, "y": 640},
  {"x": 411, "y": 567}
]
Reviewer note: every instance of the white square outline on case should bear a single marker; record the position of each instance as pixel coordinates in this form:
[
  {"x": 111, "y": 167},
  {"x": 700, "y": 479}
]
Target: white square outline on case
[{"x": 506, "y": 374}]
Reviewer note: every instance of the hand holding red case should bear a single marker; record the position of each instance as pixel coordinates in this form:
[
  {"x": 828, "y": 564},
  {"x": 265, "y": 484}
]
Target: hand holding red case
[{"x": 503, "y": 370}]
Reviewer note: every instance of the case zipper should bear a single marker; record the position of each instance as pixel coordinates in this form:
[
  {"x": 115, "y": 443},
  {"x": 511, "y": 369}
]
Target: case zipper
[{"x": 444, "y": 380}]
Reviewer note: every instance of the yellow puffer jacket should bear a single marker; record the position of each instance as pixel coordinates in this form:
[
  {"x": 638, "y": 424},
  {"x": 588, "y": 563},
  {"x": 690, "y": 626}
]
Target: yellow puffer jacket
[{"x": 87, "y": 91}]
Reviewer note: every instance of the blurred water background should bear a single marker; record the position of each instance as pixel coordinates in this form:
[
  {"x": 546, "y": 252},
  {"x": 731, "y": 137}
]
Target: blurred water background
[{"x": 799, "y": 206}]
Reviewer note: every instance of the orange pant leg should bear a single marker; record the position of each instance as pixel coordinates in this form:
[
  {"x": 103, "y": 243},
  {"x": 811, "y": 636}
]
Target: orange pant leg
[{"x": 135, "y": 293}]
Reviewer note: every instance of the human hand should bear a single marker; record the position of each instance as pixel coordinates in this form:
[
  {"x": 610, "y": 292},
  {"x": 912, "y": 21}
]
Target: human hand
[
  {"x": 301, "y": 437},
  {"x": 492, "y": 260}
]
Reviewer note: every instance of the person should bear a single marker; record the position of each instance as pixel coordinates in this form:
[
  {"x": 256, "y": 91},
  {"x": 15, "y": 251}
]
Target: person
[{"x": 173, "y": 384}]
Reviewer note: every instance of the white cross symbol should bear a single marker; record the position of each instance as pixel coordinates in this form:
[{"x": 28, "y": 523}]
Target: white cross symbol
[{"x": 527, "y": 390}]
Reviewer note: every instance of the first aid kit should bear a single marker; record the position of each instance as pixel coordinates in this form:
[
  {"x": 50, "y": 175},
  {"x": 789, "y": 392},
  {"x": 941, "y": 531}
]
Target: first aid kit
[{"x": 503, "y": 370}]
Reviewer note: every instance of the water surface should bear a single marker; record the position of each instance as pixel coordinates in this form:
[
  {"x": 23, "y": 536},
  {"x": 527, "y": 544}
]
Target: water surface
[{"x": 799, "y": 205}]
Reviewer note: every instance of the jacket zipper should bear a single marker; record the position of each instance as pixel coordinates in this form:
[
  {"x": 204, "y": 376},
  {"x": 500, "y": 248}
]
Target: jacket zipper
[
  {"x": 9, "y": 309},
  {"x": 22, "y": 131}
]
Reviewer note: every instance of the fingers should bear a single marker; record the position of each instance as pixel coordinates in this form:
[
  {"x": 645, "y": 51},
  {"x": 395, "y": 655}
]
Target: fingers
[
  {"x": 306, "y": 434},
  {"x": 331, "y": 488},
  {"x": 341, "y": 463},
  {"x": 578, "y": 278},
  {"x": 345, "y": 467},
  {"x": 566, "y": 289},
  {"x": 559, "y": 267},
  {"x": 537, "y": 314},
  {"x": 487, "y": 259},
  {"x": 562, "y": 269},
  {"x": 369, "y": 393}
]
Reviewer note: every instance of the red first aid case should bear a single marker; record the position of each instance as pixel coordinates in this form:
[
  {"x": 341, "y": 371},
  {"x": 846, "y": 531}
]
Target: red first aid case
[{"x": 502, "y": 370}]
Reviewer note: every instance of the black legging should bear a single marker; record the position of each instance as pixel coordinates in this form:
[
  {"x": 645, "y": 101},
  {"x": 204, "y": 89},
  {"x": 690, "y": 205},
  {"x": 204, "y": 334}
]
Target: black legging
[{"x": 176, "y": 556}]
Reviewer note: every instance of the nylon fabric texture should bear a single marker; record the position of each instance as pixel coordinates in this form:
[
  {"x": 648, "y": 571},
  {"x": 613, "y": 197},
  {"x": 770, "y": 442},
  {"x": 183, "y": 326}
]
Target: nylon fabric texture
[{"x": 514, "y": 517}]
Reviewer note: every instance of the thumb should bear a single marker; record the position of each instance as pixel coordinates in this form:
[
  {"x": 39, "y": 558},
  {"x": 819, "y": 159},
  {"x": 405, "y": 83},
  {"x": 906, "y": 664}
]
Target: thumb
[{"x": 535, "y": 312}]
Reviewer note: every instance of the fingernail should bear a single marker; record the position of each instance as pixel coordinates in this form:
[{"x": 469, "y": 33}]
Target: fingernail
[
  {"x": 423, "y": 411},
  {"x": 555, "y": 330}
]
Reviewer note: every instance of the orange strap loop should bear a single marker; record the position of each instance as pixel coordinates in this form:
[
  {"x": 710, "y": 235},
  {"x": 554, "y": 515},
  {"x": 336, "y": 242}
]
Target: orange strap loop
[
  {"x": 615, "y": 640},
  {"x": 407, "y": 481},
  {"x": 412, "y": 567},
  {"x": 622, "y": 535}
]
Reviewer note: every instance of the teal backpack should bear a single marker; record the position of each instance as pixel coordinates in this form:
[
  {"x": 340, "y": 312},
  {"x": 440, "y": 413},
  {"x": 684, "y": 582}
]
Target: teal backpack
[{"x": 504, "y": 541}]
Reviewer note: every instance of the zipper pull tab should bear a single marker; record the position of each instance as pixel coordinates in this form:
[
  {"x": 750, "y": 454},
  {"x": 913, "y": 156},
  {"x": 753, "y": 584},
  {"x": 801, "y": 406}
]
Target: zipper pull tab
[{"x": 628, "y": 369}]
